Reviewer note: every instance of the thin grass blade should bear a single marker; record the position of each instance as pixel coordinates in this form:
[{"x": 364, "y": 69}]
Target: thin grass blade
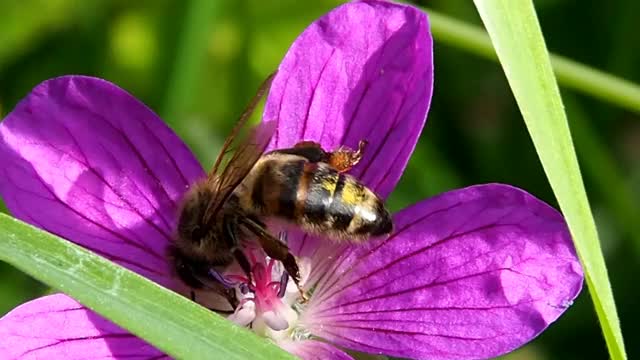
[{"x": 517, "y": 38}]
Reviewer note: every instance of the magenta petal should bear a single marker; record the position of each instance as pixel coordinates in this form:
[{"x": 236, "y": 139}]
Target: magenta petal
[
  {"x": 83, "y": 159},
  {"x": 472, "y": 273},
  {"x": 58, "y": 327},
  {"x": 314, "y": 350},
  {"x": 362, "y": 71}
]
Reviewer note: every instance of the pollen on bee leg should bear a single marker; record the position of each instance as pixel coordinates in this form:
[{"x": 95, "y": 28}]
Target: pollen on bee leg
[{"x": 344, "y": 158}]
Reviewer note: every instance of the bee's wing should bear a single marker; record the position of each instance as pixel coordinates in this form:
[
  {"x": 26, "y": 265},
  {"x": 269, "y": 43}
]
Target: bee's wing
[
  {"x": 228, "y": 147},
  {"x": 239, "y": 153}
]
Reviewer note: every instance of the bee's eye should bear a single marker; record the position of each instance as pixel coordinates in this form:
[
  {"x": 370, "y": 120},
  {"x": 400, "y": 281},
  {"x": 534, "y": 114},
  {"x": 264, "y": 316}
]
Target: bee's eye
[{"x": 198, "y": 233}]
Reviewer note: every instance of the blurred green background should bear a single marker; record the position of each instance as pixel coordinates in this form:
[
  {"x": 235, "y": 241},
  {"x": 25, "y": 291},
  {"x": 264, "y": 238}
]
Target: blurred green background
[{"x": 198, "y": 62}]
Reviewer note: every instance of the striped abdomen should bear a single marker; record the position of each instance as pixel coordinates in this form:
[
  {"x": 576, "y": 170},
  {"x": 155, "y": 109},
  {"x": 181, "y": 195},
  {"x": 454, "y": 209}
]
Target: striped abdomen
[{"x": 316, "y": 197}]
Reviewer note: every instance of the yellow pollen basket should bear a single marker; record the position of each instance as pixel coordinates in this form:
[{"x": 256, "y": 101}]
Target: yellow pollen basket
[{"x": 352, "y": 194}]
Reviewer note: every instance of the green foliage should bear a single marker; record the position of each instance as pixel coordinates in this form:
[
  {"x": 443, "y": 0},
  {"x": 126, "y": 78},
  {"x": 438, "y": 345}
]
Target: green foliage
[{"x": 516, "y": 35}]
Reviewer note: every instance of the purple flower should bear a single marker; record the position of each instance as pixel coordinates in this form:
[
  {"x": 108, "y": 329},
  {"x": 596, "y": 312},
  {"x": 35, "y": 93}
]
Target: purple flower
[{"x": 472, "y": 273}]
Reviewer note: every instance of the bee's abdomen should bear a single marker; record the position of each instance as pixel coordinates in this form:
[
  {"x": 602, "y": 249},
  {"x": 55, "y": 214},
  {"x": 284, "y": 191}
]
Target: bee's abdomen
[
  {"x": 319, "y": 199},
  {"x": 276, "y": 186},
  {"x": 338, "y": 206}
]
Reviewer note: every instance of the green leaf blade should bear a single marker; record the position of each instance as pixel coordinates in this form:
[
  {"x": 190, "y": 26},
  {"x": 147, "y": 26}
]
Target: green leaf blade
[
  {"x": 517, "y": 38},
  {"x": 165, "y": 319}
]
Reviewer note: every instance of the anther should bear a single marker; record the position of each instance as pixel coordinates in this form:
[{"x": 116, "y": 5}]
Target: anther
[
  {"x": 282, "y": 236},
  {"x": 216, "y": 275},
  {"x": 284, "y": 279}
]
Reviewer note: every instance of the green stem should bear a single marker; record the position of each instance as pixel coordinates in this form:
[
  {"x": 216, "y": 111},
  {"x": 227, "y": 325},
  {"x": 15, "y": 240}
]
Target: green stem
[{"x": 569, "y": 73}]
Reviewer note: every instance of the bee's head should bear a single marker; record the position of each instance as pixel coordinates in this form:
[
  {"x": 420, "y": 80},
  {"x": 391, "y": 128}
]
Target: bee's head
[{"x": 196, "y": 230}]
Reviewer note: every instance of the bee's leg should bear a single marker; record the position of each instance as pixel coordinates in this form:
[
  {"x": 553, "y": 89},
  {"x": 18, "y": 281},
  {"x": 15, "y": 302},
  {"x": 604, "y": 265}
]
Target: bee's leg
[
  {"x": 275, "y": 249},
  {"x": 230, "y": 295},
  {"x": 200, "y": 275},
  {"x": 196, "y": 277},
  {"x": 191, "y": 273},
  {"x": 222, "y": 312},
  {"x": 242, "y": 260},
  {"x": 345, "y": 158},
  {"x": 284, "y": 280},
  {"x": 231, "y": 230},
  {"x": 218, "y": 284}
]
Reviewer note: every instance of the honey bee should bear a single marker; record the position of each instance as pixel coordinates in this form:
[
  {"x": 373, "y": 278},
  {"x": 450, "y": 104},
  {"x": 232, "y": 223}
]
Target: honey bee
[
  {"x": 308, "y": 186},
  {"x": 304, "y": 185}
]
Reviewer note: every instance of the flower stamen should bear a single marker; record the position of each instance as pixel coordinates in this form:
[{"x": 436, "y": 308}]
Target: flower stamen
[{"x": 284, "y": 280}]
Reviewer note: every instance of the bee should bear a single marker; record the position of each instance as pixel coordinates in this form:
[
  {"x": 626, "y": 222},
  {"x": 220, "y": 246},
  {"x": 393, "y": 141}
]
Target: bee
[
  {"x": 304, "y": 185},
  {"x": 308, "y": 186}
]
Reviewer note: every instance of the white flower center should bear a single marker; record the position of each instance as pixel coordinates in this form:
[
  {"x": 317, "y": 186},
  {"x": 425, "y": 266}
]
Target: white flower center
[{"x": 270, "y": 304}]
